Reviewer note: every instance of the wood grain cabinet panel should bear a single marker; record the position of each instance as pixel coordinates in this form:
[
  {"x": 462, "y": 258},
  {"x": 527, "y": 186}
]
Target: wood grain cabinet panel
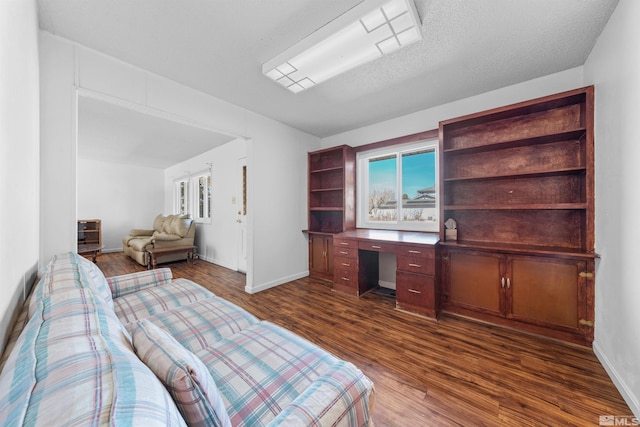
[
  {"x": 474, "y": 281},
  {"x": 321, "y": 256},
  {"x": 546, "y": 290},
  {"x": 547, "y": 295}
]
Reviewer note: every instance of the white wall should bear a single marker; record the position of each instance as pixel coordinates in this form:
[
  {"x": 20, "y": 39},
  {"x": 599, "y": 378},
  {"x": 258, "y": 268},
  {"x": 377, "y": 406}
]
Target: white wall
[
  {"x": 121, "y": 196},
  {"x": 19, "y": 155},
  {"x": 276, "y": 154},
  {"x": 217, "y": 240},
  {"x": 58, "y": 227},
  {"x": 614, "y": 68}
]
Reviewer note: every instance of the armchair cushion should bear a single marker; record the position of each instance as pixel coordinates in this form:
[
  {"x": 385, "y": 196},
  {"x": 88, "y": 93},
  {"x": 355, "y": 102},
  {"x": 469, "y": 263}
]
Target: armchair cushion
[
  {"x": 165, "y": 236},
  {"x": 158, "y": 222},
  {"x": 141, "y": 232},
  {"x": 140, "y": 244},
  {"x": 177, "y": 224}
]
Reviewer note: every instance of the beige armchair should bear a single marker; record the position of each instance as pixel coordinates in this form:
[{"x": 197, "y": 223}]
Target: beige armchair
[{"x": 168, "y": 231}]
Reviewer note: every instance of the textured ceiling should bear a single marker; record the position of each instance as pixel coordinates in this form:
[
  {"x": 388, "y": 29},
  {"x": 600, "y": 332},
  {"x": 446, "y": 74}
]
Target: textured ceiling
[{"x": 218, "y": 47}]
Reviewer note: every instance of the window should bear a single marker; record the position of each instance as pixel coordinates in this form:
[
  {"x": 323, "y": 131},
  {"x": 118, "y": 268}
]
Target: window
[
  {"x": 202, "y": 198},
  {"x": 193, "y": 196},
  {"x": 181, "y": 198},
  {"x": 397, "y": 187}
]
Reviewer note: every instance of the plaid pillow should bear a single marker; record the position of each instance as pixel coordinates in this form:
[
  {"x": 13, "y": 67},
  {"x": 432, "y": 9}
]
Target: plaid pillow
[{"x": 185, "y": 376}]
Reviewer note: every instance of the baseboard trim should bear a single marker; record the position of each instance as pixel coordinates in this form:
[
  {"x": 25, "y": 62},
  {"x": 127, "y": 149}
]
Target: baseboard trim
[
  {"x": 618, "y": 381},
  {"x": 112, "y": 250},
  {"x": 274, "y": 283},
  {"x": 385, "y": 284},
  {"x": 217, "y": 262}
]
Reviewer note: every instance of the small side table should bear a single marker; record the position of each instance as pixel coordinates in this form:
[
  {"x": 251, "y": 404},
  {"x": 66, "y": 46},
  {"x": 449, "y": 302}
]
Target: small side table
[
  {"x": 154, "y": 253},
  {"x": 89, "y": 249}
]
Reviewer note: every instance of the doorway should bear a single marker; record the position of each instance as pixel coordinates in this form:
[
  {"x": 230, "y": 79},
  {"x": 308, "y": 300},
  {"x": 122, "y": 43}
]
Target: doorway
[{"x": 242, "y": 215}]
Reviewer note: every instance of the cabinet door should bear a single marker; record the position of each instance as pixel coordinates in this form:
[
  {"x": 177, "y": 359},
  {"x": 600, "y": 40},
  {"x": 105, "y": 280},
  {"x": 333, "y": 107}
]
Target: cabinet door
[
  {"x": 474, "y": 281},
  {"x": 545, "y": 290},
  {"x": 321, "y": 256}
]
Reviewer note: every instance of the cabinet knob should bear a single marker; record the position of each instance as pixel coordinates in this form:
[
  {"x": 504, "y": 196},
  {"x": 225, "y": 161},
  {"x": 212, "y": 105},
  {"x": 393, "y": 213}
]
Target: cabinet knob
[
  {"x": 415, "y": 265},
  {"x": 508, "y": 283},
  {"x": 346, "y": 279},
  {"x": 375, "y": 246},
  {"x": 411, "y": 251},
  {"x": 502, "y": 282},
  {"x": 344, "y": 253},
  {"x": 346, "y": 264},
  {"x": 414, "y": 291}
]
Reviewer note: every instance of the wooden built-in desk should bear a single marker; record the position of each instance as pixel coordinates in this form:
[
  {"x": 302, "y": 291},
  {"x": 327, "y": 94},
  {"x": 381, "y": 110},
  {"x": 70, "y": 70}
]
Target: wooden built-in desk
[{"x": 356, "y": 266}]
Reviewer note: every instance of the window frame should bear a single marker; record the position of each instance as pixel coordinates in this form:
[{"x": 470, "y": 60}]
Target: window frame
[
  {"x": 362, "y": 185},
  {"x": 192, "y": 201},
  {"x": 195, "y": 204},
  {"x": 179, "y": 197}
]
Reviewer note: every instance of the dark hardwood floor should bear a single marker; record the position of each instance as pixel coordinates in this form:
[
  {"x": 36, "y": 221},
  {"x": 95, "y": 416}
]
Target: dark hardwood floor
[{"x": 426, "y": 373}]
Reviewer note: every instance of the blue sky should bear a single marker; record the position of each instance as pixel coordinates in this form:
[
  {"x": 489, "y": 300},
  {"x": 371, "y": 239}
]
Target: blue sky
[{"x": 418, "y": 172}]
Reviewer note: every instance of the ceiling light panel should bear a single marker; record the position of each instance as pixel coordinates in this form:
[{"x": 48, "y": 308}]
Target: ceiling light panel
[{"x": 371, "y": 29}]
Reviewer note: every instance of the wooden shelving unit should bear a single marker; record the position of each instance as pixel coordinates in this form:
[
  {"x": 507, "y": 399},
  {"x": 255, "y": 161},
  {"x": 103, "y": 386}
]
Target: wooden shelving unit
[
  {"x": 331, "y": 204},
  {"x": 518, "y": 180},
  {"x": 90, "y": 232}
]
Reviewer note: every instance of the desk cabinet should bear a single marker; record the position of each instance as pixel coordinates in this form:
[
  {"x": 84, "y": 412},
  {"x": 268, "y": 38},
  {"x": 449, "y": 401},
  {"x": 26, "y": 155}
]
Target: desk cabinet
[
  {"x": 416, "y": 289},
  {"x": 355, "y": 272},
  {"x": 356, "y": 266},
  {"x": 548, "y": 295},
  {"x": 321, "y": 256}
]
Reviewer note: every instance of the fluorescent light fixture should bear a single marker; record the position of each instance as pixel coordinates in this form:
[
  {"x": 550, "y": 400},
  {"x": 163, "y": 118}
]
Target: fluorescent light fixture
[{"x": 366, "y": 32}]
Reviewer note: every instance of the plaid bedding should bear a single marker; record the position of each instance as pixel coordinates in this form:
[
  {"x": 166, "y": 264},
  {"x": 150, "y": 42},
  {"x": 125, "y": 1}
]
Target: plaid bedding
[
  {"x": 156, "y": 299},
  {"x": 341, "y": 397},
  {"x": 133, "y": 282},
  {"x": 70, "y": 360},
  {"x": 73, "y": 364},
  {"x": 263, "y": 369},
  {"x": 202, "y": 323}
]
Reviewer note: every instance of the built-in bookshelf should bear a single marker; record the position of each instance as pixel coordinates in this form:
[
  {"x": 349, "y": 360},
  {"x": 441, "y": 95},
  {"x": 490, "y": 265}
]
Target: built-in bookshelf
[
  {"x": 518, "y": 181},
  {"x": 331, "y": 203}
]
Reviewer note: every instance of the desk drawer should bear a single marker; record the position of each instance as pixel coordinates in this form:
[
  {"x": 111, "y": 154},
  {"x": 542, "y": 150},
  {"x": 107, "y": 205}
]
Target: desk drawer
[
  {"x": 417, "y": 251},
  {"x": 345, "y": 243},
  {"x": 376, "y": 246},
  {"x": 412, "y": 264},
  {"x": 348, "y": 264},
  {"x": 415, "y": 290},
  {"x": 345, "y": 278},
  {"x": 345, "y": 252}
]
